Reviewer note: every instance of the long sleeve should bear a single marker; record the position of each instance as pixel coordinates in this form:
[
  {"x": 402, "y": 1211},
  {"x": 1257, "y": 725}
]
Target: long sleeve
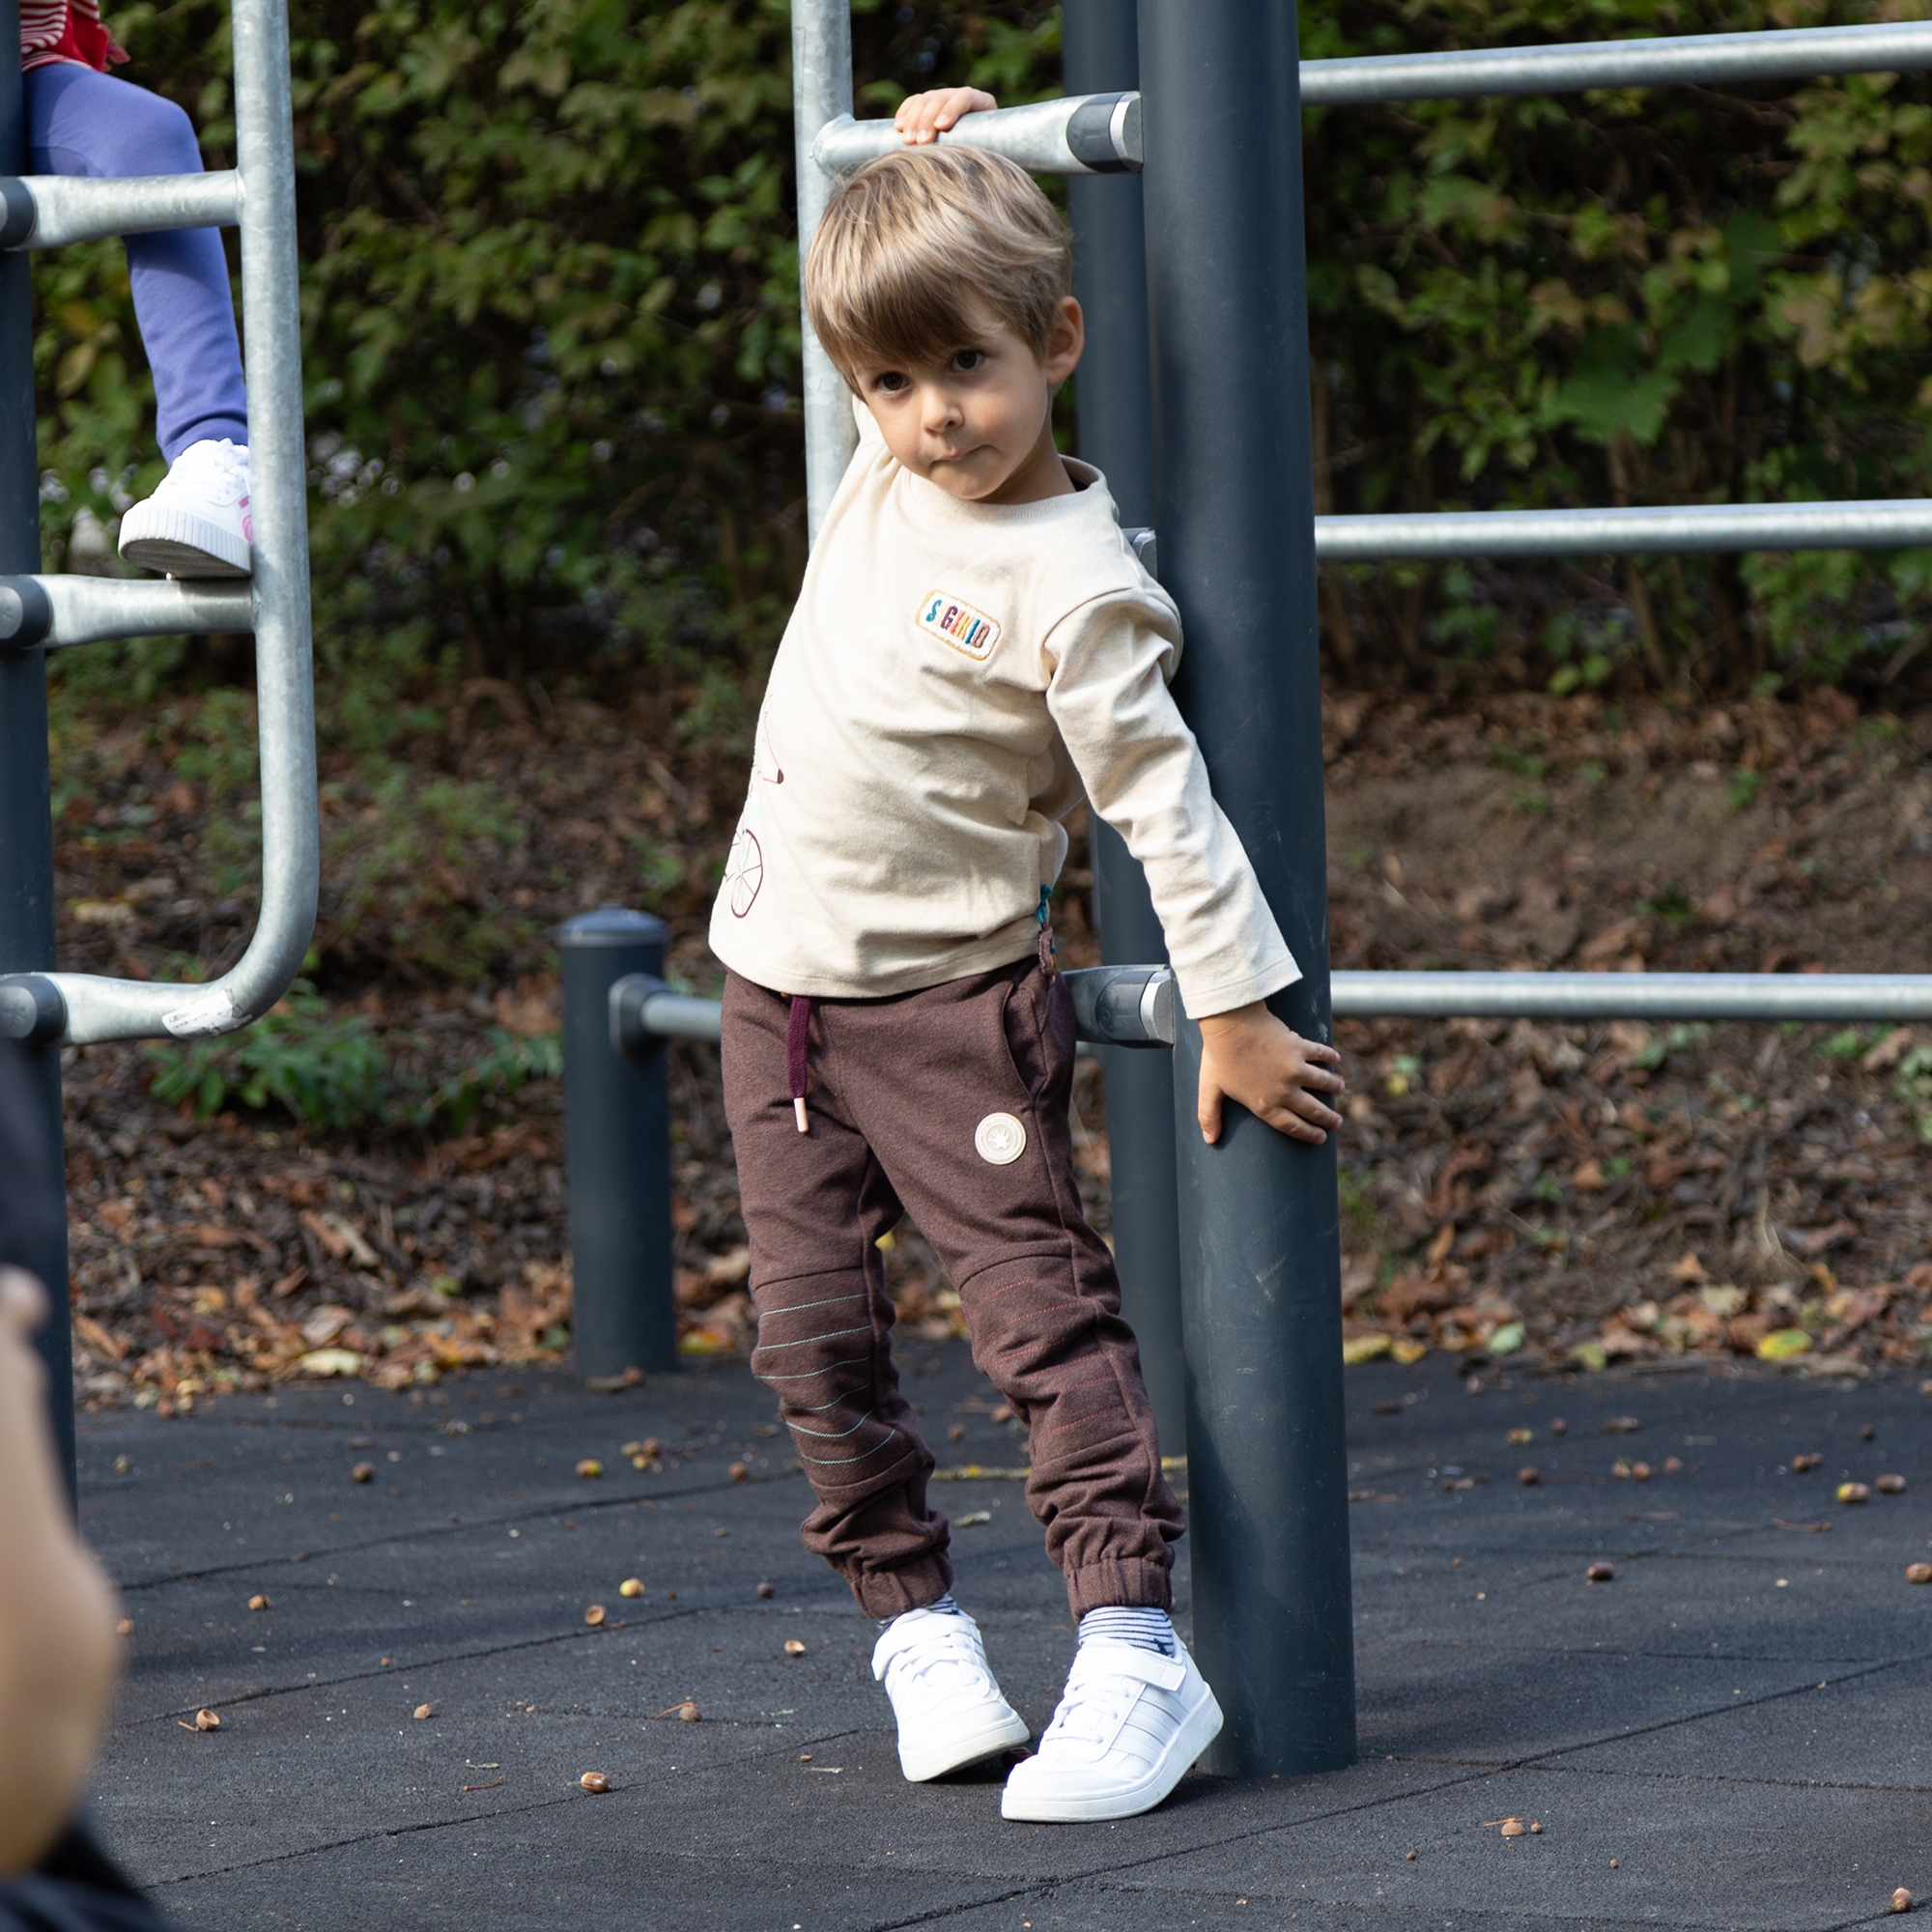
[{"x": 1107, "y": 692}]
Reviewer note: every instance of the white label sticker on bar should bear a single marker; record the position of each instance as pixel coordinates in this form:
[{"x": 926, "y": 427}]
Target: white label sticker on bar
[{"x": 211, "y": 1013}]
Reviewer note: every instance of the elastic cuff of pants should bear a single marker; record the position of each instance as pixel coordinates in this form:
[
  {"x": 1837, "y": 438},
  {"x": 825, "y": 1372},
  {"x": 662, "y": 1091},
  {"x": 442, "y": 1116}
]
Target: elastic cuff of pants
[
  {"x": 1135, "y": 1584},
  {"x": 890, "y": 1593}
]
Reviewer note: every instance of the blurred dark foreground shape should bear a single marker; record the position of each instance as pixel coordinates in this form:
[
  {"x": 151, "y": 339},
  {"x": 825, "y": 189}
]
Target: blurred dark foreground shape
[{"x": 73, "y": 1887}]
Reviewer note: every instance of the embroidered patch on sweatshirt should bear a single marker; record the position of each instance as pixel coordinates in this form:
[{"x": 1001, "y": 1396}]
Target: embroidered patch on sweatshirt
[{"x": 955, "y": 622}]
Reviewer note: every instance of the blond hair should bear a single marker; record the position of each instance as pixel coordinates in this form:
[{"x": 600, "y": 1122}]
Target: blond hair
[{"x": 916, "y": 248}]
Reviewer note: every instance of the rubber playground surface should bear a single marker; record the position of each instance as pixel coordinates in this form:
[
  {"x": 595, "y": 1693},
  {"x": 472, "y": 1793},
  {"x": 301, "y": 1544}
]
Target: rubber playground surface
[{"x": 1731, "y": 1732}]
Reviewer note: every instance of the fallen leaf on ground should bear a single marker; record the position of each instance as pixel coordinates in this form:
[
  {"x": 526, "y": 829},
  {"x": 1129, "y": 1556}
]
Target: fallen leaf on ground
[
  {"x": 1782, "y": 1344},
  {"x": 688, "y": 1712},
  {"x": 362, "y": 1472},
  {"x": 203, "y": 1721},
  {"x": 631, "y": 1586},
  {"x": 740, "y": 1472},
  {"x": 258, "y": 1602},
  {"x": 1890, "y": 1486},
  {"x": 1919, "y": 1573},
  {"x": 1514, "y": 1828},
  {"x": 1557, "y": 1426},
  {"x": 594, "y": 1780},
  {"x": 1800, "y": 1463},
  {"x": 793, "y": 1647},
  {"x": 768, "y": 1589},
  {"x": 1621, "y": 1425},
  {"x": 1854, "y": 1492},
  {"x": 590, "y": 1466},
  {"x": 1640, "y": 1472},
  {"x": 1529, "y": 1476},
  {"x": 1522, "y": 1436},
  {"x": 972, "y": 1516},
  {"x": 424, "y": 1711},
  {"x": 1599, "y": 1572},
  {"x": 1901, "y": 1900},
  {"x": 594, "y": 1615}
]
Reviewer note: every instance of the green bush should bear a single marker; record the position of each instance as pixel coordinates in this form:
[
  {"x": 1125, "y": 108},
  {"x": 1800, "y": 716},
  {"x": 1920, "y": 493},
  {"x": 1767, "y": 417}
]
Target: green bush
[
  {"x": 336, "y": 1073},
  {"x": 325, "y": 1072},
  {"x": 549, "y": 315}
]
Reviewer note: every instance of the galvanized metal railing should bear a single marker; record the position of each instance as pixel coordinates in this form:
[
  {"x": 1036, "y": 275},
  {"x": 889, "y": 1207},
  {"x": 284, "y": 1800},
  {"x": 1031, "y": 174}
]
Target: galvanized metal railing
[{"x": 51, "y": 613}]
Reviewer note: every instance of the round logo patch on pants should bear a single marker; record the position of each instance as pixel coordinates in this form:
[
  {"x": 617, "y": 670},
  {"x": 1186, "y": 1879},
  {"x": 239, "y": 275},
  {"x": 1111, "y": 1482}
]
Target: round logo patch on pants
[{"x": 1000, "y": 1139}]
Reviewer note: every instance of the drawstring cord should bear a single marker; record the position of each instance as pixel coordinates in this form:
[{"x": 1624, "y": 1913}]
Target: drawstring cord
[{"x": 798, "y": 1039}]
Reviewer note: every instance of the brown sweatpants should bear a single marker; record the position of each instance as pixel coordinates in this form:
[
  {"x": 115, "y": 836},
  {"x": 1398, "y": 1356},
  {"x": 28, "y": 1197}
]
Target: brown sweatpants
[{"x": 912, "y": 1104}]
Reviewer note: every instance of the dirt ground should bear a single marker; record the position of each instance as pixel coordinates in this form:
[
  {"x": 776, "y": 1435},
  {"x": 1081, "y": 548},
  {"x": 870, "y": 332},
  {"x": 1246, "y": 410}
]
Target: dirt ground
[{"x": 1566, "y": 1194}]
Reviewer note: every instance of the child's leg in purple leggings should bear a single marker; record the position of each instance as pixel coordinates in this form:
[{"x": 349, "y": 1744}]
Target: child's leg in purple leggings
[{"x": 83, "y": 123}]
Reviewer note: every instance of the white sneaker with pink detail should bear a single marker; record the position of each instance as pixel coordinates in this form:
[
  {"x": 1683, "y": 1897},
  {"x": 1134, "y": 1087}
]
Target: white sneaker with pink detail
[
  {"x": 950, "y": 1711},
  {"x": 1129, "y": 1724},
  {"x": 197, "y": 523}
]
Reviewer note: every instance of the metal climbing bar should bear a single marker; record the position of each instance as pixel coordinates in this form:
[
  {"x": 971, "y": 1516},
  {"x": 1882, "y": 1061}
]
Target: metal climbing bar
[
  {"x": 1845, "y": 997},
  {"x": 1089, "y": 134},
  {"x": 51, "y": 211},
  {"x": 51, "y": 613},
  {"x": 1903, "y": 522},
  {"x": 1690, "y": 60}
]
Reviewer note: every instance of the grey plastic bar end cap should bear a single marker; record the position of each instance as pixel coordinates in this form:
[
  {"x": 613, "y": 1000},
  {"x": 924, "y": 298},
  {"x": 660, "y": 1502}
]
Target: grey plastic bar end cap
[
  {"x": 32, "y": 1010},
  {"x": 629, "y": 1036},
  {"x": 1104, "y": 133},
  {"x": 1123, "y": 1006},
  {"x": 18, "y": 212},
  {"x": 612, "y": 926},
  {"x": 26, "y": 613}
]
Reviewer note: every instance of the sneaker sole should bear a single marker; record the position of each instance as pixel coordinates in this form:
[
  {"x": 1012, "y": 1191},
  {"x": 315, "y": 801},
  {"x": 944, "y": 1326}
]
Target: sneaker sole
[
  {"x": 182, "y": 545},
  {"x": 972, "y": 1747},
  {"x": 1197, "y": 1730}
]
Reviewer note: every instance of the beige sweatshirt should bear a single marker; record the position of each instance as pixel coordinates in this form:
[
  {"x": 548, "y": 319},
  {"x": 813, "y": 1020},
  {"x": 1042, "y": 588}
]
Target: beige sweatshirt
[{"x": 954, "y": 677}]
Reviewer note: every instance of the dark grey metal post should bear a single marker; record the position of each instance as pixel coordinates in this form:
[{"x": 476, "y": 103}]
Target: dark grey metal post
[
  {"x": 617, "y": 1128},
  {"x": 1234, "y": 509},
  {"x": 1100, "y": 54},
  {"x": 26, "y": 828}
]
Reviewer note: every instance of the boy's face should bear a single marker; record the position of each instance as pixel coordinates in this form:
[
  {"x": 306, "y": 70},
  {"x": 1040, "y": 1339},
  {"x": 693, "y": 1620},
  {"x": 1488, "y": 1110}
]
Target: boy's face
[{"x": 977, "y": 421}]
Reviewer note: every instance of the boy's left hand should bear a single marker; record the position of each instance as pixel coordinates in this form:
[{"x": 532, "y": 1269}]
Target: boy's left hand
[
  {"x": 924, "y": 116},
  {"x": 1249, "y": 1056}
]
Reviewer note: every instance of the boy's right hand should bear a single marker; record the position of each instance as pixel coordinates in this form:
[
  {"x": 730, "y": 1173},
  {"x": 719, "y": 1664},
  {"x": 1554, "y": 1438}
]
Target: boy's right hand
[{"x": 923, "y": 117}]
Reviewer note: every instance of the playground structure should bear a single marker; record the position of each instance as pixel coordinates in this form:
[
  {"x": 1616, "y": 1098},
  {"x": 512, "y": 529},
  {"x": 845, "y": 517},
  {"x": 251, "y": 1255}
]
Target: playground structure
[
  {"x": 42, "y": 1008},
  {"x": 1229, "y": 1254}
]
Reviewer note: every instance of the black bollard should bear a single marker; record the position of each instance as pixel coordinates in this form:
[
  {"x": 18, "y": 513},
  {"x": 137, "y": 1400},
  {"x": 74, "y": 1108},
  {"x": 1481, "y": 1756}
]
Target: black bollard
[
  {"x": 1100, "y": 41},
  {"x": 617, "y": 1128},
  {"x": 1235, "y": 511},
  {"x": 26, "y": 829}
]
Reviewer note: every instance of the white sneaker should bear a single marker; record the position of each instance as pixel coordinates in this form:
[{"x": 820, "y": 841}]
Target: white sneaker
[
  {"x": 1128, "y": 1725},
  {"x": 197, "y": 523},
  {"x": 950, "y": 1710}
]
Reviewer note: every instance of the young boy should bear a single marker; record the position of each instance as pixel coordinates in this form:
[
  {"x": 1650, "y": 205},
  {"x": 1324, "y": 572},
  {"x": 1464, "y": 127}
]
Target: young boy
[{"x": 973, "y": 647}]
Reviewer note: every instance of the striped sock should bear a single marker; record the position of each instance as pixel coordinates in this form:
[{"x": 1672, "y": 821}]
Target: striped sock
[
  {"x": 1145, "y": 1630},
  {"x": 945, "y": 1603}
]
